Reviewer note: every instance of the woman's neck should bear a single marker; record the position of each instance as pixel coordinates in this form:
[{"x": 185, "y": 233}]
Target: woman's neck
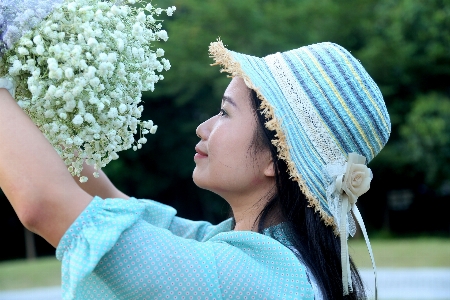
[{"x": 247, "y": 217}]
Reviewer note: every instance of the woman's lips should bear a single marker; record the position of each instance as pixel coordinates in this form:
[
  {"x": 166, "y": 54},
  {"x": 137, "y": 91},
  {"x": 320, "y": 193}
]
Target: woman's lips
[{"x": 199, "y": 154}]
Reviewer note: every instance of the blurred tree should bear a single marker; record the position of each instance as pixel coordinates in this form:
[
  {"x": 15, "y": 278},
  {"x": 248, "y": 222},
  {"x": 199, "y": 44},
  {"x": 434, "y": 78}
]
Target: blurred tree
[{"x": 426, "y": 134}]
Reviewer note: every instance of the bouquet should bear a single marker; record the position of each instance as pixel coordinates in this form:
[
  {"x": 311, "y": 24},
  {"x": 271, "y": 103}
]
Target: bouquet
[{"x": 79, "y": 68}]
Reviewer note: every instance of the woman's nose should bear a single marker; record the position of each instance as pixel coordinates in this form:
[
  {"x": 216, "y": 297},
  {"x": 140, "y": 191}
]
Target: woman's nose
[{"x": 204, "y": 129}]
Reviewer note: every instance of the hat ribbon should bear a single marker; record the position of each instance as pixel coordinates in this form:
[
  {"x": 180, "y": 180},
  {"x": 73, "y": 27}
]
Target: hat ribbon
[{"x": 349, "y": 186}]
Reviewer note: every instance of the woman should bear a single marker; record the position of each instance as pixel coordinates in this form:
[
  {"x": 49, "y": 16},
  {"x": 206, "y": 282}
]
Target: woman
[{"x": 281, "y": 152}]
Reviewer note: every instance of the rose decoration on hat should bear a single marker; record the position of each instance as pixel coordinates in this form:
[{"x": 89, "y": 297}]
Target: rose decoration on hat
[
  {"x": 356, "y": 180},
  {"x": 348, "y": 181}
]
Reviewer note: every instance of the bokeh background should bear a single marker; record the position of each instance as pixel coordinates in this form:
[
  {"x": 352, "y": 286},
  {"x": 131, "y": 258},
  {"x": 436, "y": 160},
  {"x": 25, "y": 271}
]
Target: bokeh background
[{"x": 403, "y": 44}]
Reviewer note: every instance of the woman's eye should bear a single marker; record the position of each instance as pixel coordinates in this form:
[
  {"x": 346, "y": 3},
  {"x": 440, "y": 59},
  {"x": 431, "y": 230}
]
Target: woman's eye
[{"x": 222, "y": 112}]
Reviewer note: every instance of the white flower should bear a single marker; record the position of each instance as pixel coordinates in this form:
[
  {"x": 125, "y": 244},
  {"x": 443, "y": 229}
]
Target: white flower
[
  {"x": 26, "y": 42},
  {"x": 122, "y": 108},
  {"x": 77, "y": 141},
  {"x": 120, "y": 45},
  {"x": 120, "y": 26},
  {"x": 112, "y": 57},
  {"x": 40, "y": 49},
  {"x": 169, "y": 11},
  {"x": 112, "y": 112},
  {"x": 38, "y": 40},
  {"x": 22, "y": 51},
  {"x": 15, "y": 68},
  {"x": 92, "y": 42},
  {"x": 159, "y": 52},
  {"x": 148, "y": 124},
  {"x": 60, "y": 93},
  {"x": 103, "y": 56},
  {"x": 77, "y": 120},
  {"x": 72, "y": 6},
  {"x": 69, "y": 73},
  {"x": 357, "y": 179},
  {"x": 52, "y": 64},
  {"x": 70, "y": 105},
  {"x": 90, "y": 72},
  {"x": 137, "y": 29},
  {"x": 115, "y": 10},
  {"x": 49, "y": 114},
  {"x": 162, "y": 34},
  {"x": 141, "y": 17},
  {"x": 89, "y": 118},
  {"x": 94, "y": 82},
  {"x": 166, "y": 64},
  {"x": 153, "y": 129}
]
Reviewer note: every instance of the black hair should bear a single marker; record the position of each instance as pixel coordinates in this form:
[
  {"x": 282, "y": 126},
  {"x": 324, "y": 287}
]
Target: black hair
[{"x": 318, "y": 246}]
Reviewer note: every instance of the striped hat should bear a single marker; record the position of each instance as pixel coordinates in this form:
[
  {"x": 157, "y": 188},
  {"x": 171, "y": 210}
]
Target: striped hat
[{"x": 329, "y": 117}]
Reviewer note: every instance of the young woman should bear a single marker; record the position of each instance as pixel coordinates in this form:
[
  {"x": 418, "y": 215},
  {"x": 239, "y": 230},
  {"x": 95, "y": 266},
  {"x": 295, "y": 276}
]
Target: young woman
[{"x": 287, "y": 151}]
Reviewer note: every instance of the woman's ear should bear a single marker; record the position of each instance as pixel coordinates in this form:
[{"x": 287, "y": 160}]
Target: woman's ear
[{"x": 269, "y": 171}]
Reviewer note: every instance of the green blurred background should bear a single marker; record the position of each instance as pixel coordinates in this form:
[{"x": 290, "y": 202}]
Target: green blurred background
[{"x": 403, "y": 44}]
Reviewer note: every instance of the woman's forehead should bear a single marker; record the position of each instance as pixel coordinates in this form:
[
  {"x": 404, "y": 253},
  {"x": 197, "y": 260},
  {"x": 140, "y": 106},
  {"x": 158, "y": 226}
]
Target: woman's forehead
[{"x": 236, "y": 92}]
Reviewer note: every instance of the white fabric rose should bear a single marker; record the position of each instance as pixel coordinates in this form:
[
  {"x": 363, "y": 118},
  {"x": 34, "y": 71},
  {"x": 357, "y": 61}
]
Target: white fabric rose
[{"x": 356, "y": 181}]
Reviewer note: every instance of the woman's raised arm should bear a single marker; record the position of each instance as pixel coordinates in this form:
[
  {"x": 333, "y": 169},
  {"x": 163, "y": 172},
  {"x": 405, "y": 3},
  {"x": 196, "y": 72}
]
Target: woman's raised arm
[{"x": 33, "y": 177}]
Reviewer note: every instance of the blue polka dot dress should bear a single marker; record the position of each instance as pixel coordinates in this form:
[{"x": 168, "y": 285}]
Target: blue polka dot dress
[{"x": 139, "y": 249}]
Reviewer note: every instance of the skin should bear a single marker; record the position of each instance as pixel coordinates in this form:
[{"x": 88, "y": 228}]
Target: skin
[
  {"x": 47, "y": 199},
  {"x": 226, "y": 162}
]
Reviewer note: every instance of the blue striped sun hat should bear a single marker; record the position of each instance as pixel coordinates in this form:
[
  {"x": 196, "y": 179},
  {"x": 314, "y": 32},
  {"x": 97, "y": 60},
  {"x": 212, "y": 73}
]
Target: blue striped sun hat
[{"x": 323, "y": 106}]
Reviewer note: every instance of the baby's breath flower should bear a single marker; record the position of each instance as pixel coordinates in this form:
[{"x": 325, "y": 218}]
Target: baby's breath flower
[
  {"x": 153, "y": 129},
  {"x": 162, "y": 34},
  {"x": 77, "y": 120},
  {"x": 86, "y": 79},
  {"x": 69, "y": 73},
  {"x": 40, "y": 50},
  {"x": 159, "y": 52}
]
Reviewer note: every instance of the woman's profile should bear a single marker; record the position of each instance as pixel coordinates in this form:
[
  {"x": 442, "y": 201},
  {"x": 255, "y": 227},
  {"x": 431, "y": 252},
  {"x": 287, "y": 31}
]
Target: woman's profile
[{"x": 288, "y": 152}]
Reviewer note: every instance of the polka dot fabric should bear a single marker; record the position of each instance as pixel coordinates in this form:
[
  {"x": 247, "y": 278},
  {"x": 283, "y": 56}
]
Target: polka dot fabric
[{"x": 139, "y": 249}]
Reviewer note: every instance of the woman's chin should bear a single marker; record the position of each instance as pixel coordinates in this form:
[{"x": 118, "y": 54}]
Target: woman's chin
[{"x": 197, "y": 178}]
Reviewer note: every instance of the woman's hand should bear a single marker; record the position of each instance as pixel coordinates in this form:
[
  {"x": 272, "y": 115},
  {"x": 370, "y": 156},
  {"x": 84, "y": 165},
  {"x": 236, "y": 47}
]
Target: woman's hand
[
  {"x": 100, "y": 186},
  {"x": 33, "y": 177}
]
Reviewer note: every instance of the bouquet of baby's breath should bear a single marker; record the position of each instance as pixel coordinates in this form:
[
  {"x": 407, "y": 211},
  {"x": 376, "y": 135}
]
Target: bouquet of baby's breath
[{"x": 80, "y": 67}]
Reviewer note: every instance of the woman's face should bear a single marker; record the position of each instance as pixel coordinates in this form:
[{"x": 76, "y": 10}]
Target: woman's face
[{"x": 227, "y": 162}]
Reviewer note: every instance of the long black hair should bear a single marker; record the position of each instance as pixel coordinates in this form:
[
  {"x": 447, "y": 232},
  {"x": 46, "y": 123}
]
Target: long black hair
[{"x": 316, "y": 243}]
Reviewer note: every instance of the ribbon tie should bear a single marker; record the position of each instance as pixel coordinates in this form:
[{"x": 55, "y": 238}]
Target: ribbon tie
[{"x": 347, "y": 187}]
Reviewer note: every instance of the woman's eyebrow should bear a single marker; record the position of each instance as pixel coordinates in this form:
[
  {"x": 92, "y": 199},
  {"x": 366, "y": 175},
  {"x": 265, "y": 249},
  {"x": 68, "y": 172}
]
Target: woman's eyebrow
[{"x": 228, "y": 99}]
